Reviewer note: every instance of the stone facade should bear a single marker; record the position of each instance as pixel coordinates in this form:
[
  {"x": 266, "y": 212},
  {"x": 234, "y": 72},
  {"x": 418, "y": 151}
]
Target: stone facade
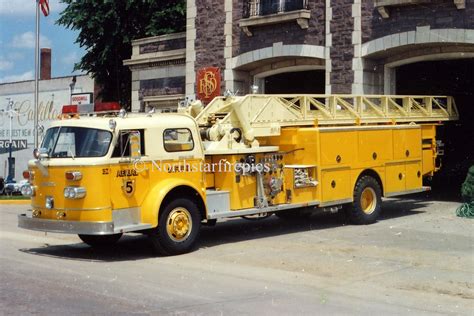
[
  {"x": 438, "y": 14},
  {"x": 210, "y": 41},
  {"x": 342, "y": 52},
  {"x": 158, "y": 72},
  {"x": 356, "y": 44},
  {"x": 288, "y": 33}
]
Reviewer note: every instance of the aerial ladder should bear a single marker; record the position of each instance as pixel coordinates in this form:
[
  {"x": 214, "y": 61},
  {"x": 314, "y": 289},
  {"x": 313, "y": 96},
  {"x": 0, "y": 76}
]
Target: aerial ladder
[{"x": 257, "y": 116}]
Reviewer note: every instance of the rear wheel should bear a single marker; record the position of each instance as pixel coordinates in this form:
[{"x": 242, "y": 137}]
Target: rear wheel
[
  {"x": 178, "y": 228},
  {"x": 100, "y": 241},
  {"x": 366, "y": 207}
]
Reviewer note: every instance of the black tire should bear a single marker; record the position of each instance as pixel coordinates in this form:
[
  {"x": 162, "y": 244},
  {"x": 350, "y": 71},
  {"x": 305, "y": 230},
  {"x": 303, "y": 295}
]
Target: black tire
[
  {"x": 100, "y": 241},
  {"x": 366, "y": 207},
  {"x": 178, "y": 228}
]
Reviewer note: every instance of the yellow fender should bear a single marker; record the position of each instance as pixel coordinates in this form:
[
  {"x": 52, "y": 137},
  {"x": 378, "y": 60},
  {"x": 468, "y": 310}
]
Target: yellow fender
[
  {"x": 152, "y": 203},
  {"x": 376, "y": 171}
]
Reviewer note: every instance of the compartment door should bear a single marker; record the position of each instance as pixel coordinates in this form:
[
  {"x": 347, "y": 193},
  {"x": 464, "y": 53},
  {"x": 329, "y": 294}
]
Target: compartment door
[
  {"x": 395, "y": 178},
  {"x": 407, "y": 143},
  {"x": 413, "y": 174},
  {"x": 336, "y": 185}
]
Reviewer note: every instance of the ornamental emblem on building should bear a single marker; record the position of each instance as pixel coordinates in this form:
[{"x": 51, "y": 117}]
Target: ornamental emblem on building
[{"x": 209, "y": 82}]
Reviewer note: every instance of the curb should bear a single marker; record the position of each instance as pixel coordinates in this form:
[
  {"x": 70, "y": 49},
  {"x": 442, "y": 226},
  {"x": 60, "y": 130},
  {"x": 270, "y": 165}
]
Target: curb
[{"x": 15, "y": 202}]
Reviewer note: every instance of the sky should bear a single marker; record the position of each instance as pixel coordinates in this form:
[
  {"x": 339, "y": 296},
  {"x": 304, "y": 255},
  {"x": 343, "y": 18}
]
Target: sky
[{"x": 17, "y": 41}]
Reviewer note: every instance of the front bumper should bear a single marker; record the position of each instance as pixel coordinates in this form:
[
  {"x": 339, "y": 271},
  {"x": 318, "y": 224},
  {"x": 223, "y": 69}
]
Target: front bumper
[
  {"x": 75, "y": 227},
  {"x": 65, "y": 227}
]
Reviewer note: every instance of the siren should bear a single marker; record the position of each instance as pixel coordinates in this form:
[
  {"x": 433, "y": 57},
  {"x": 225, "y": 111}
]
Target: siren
[
  {"x": 69, "y": 109},
  {"x": 91, "y": 108},
  {"x": 106, "y": 106}
]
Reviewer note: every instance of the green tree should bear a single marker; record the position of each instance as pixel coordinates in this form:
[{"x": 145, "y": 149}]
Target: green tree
[{"x": 106, "y": 30}]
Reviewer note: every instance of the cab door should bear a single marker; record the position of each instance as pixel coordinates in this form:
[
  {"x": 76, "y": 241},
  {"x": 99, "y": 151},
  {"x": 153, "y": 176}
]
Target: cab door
[{"x": 129, "y": 175}]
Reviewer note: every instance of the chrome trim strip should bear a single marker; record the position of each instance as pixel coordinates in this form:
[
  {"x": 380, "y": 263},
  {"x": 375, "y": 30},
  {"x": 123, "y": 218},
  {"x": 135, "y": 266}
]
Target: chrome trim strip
[
  {"x": 396, "y": 162},
  {"x": 73, "y": 209},
  {"x": 253, "y": 211},
  {"x": 47, "y": 184},
  {"x": 61, "y": 163},
  {"x": 345, "y": 167},
  {"x": 423, "y": 189},
  {"x": 365, "y": 128},
  {"x": 336, "y": 202}
]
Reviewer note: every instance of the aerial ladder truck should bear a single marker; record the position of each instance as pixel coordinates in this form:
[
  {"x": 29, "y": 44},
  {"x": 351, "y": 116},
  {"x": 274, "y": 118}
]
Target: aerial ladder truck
[{"x": 103, "y": 174}]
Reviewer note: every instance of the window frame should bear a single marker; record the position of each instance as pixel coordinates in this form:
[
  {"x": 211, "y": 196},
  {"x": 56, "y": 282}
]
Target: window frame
[
  {"x": 255, "y": 8},
  {"x": 53, "y": 151},
  {"x": 117, "y": 144},
  {"x": 178, "y": 128},
  {"x": 252, "y": 17}
]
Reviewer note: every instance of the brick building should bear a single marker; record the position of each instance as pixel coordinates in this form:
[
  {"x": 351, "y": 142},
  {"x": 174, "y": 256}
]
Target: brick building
[{"x": 304, "y": 46}]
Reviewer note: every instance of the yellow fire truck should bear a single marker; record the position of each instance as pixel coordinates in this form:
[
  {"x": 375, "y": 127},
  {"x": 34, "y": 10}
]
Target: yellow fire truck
[{"x": 102, "y": 175}]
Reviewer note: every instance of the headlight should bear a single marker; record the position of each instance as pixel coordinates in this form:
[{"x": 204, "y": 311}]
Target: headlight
[
  {"x": 74, "y": 192},
  {"x": 73, "y": 175},
  {"x": 27, "y": 190},
  {"x": 49, "y": 204}
]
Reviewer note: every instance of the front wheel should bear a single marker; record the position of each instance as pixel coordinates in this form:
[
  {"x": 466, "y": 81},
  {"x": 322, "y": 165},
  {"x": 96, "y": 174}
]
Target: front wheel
[
  {"x": 366, "y": 207},
  {"x": 178, "y": 228},
  {"x": 100, "y": 241}
]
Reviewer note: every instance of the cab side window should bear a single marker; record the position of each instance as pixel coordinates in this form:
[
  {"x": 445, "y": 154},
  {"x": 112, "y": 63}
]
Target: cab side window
[
  {"x": 122, "y": 146},
  {"x": 178, "y": 139}
]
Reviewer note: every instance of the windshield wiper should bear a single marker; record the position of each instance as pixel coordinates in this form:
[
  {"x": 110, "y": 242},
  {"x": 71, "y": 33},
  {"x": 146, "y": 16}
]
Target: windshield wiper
[{"x": 69, "y": 151}]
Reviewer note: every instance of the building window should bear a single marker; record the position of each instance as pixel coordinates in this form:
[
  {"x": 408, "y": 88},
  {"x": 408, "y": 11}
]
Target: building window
[
  {"x": 267, "y": 7},
  {"x": 383, "y": 6}
]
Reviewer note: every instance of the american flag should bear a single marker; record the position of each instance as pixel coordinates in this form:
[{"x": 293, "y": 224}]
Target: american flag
[{"x": 44, "y": 5}]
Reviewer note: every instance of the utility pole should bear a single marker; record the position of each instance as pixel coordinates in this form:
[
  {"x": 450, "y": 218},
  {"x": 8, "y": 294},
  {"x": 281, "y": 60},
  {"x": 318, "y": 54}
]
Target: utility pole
[
  {"x": 37, "y": 43},
  {"x": 11, "y": 161}
]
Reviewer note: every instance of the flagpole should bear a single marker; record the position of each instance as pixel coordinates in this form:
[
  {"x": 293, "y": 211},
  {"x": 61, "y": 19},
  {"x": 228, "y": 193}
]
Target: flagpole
[{"x": 37, "y": 43}]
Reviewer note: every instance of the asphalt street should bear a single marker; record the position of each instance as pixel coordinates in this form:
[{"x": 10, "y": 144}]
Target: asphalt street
[{"x": 418, "y": 259}]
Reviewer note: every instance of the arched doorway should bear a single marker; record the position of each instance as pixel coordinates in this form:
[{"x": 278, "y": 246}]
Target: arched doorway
[
  {"x": 446, "y": 77},
  {"x": 296, "y": 69},
  {"x": 301, "y": 82}
]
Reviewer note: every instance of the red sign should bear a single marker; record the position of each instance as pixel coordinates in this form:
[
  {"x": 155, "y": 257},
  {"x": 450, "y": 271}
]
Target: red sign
[
  {"x": 208, "y": 83},
  {"x": 81, "y": 98}
]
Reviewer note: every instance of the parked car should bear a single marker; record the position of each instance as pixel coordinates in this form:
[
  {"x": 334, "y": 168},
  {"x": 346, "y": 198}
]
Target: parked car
[{"x": 12, "y": 188}]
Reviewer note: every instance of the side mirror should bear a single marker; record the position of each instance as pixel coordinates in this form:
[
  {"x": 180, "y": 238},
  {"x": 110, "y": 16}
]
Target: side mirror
[
  {"x": 135, "y": 146},
  {"x": 40, "y": 153}
]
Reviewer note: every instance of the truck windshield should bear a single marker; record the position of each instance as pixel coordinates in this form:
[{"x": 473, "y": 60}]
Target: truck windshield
[{"x": 71, "y": 142}]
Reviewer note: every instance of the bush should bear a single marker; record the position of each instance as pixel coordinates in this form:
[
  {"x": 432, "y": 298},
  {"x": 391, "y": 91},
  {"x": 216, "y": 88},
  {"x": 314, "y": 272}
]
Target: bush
[{"x": 467, "y": 193}]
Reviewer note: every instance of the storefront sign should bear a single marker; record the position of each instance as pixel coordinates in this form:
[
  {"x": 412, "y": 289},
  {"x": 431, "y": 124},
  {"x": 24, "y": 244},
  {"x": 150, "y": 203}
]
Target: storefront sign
[
  {"x": 81, "y": 98},
  {"x": 208, "y": 83},
  {"x": 17, "y": 144}
]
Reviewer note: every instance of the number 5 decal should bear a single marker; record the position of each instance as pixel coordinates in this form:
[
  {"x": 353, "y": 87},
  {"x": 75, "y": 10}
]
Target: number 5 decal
[{"x": 128, "y": 187}]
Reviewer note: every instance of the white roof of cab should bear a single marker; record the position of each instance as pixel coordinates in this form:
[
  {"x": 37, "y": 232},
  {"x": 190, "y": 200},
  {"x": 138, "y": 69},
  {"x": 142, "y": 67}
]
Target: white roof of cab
[{"x": 131, "y": 121}]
